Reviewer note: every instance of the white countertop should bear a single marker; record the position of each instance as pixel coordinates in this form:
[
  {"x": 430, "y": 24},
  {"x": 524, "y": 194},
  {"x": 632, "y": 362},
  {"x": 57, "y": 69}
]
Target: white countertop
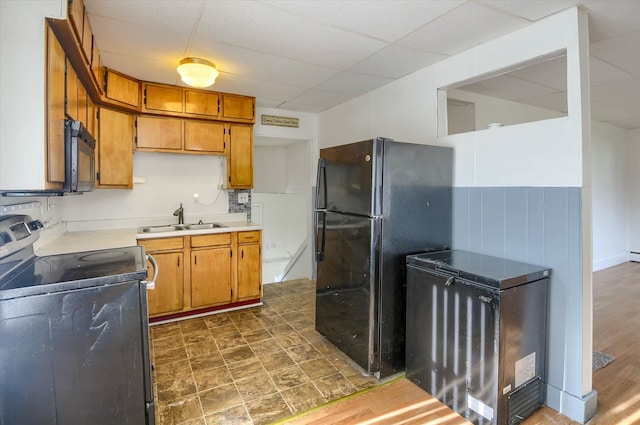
[{"x": 89, "y": 240}]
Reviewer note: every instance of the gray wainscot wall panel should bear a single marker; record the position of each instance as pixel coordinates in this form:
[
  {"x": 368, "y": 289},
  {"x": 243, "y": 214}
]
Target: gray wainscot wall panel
[
  {"x": 493, "y": 221},
  {"x": 461, "y": 217},
  {"x": 539, "y": 226},
  {"x": 535, "y": 224},
  {"x": 516, "y": 218}
]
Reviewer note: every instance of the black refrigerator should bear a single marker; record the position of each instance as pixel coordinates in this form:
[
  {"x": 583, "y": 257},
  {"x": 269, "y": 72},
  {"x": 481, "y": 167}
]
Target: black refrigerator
[{"x": 376, "y": 201}]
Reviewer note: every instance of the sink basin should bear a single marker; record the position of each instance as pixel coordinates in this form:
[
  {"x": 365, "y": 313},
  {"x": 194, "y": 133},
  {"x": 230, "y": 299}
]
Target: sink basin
[
  {"x": 158, "y": 229},
  {"x": 176, "y": 227},
  {"x": 201, "y": 226}
]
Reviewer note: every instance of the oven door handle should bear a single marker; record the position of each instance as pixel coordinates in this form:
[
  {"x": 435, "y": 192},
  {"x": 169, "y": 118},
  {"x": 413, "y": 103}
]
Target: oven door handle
[{"x": 152, "y": 283}]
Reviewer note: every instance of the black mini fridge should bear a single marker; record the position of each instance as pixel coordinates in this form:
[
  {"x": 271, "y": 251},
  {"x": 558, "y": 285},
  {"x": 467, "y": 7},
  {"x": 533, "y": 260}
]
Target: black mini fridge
[{"x": 476, "y": 333}]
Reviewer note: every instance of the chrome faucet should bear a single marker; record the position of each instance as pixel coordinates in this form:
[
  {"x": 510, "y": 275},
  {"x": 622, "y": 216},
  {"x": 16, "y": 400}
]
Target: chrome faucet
[{"x": 180, "y": 214}]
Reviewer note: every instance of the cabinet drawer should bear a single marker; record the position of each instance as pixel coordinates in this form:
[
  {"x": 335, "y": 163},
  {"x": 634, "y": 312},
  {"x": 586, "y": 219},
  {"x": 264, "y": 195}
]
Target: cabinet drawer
[
  {"x": 162, "y": 244},
  {"x": 252, "y": 236},
  {"x": 211, "y": 240}
]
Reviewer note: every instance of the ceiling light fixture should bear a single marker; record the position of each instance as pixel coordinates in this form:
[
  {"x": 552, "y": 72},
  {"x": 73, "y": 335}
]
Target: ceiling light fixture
[{"x": 197, "y": 72}]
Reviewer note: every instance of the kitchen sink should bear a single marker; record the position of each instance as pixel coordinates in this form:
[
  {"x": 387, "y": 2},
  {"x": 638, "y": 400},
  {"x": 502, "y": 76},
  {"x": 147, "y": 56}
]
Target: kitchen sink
[
  {"x": 158, "y": 229},
  {"x": 200, "y": 226},
  {"x": 176, "y": 227}
]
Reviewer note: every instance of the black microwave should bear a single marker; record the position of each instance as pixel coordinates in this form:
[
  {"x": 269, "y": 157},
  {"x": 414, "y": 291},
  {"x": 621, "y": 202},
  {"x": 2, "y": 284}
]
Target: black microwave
[{"x": 80, "y": 167}]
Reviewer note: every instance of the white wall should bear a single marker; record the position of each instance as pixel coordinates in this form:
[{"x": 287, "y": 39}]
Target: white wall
[
  {"x": 633, "y": 187},
  {"x": 22, "y": 90},
  {"x": 610, "y": 195},
  {"x": 270, "y": 169},
  {"x": 169, "y": 179}
]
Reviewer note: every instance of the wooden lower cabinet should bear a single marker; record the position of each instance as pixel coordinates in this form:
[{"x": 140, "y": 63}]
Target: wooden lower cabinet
[
  {"x": 249, "y": 266},
  {"x": 210, "y": 270},
  {"x": 222, "y": 269},
  {"x": 167, "y": 296}
]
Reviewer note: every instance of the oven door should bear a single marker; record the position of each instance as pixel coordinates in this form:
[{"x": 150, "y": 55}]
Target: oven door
[{"x": 75, "y": 357}]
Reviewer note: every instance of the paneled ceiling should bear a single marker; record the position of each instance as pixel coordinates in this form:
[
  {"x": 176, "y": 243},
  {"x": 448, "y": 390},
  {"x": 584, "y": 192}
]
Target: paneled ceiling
[{"x": 310, "y": 55}]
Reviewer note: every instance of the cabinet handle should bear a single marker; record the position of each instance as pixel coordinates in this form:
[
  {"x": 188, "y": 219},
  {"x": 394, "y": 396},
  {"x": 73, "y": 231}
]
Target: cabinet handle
[
  {"x": 195, "y": 260},
  {"x": 242, "y": 256},
  {"x": 178, "y": 261}
]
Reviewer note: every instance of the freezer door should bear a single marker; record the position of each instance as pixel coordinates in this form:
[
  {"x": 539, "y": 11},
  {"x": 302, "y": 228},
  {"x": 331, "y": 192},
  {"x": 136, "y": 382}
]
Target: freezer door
[
  {"x": 452, "y": 334},
  {"x": 347, "y": 178},
  {"x": 346, "y": 286}
]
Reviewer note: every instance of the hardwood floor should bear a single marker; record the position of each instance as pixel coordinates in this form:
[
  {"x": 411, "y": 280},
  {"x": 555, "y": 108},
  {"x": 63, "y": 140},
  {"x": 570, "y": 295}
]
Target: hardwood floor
[
  {"x": 397, "y": 402},
  {"x": 616, "y": 317}
]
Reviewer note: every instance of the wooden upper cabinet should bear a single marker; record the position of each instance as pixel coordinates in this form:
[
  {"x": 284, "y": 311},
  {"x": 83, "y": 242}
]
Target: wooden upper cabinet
[
  {"x": 76, "y": 17},
  {"x": 92, "y": 118},
  {"x": 81, "y": 100},
  {"x": 202, "y": 103},
  {"x": 240, "y": 157},
  {"x": 162, "y": 98},
  {"x": 238, "y": 108},
  {"x": 72, "y": 93},
  {"x": 165, "y": 99},
  {"x": 204, "y": 136},
  {"x": 55, "y": 111},
  {"x": 96, "y": 66},
  {"x": 115, "y": 150},
  {"x": 121, "y": 89},
  {"x": 87, "y": 40},
  {"x": 158, "y": 133}
]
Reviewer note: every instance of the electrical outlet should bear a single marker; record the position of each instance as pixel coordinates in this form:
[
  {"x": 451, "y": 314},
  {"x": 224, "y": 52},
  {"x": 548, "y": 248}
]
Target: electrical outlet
[{"x": 243, "y": 198}]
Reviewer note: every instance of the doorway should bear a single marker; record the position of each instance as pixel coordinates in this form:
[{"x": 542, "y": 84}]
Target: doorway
[{"x": 281, "y": 204}]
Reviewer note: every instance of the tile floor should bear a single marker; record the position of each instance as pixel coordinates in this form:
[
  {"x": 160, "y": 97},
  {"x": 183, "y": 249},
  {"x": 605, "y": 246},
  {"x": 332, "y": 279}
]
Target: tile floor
[{"x": 252, "y": 366}]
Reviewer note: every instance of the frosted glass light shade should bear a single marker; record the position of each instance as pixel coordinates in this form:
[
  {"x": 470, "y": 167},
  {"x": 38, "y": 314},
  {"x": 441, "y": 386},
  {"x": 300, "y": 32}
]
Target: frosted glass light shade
[{"x": 197, "y": 72}]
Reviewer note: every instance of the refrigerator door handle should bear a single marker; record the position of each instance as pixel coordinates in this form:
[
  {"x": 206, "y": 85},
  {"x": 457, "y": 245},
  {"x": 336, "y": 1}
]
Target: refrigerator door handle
[
  {"x": 321, "y": 180},
  {"x": 320, "y": 241}
]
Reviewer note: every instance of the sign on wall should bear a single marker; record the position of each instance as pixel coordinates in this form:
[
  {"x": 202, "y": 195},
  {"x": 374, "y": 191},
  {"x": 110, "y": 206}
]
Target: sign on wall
[{"x": 280, "y": 121}]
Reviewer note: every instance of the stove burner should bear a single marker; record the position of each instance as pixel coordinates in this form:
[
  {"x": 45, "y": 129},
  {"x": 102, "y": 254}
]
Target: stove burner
[{"x": 102, "y": 256}]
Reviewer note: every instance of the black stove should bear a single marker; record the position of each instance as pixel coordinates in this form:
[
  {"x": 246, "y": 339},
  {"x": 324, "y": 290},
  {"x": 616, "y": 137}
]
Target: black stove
[
  {"x": 22, "y": 273},
  {"x": 74, "y": 332}
]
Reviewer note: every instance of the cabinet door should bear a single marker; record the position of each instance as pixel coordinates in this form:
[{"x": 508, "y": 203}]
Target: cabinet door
[
  {"x": 96, "y": 65},
  {"x": 162, "y": 98},
  {"x": 81, "y": 102},
  {"x": 92, "y": 119},
  {"x": 87, "y": 39},
  {"x": 167, "y": 297},
  {"x": 210, "y": 277},
  {"x": 159, "y": 133},
  {"x": 201, "y": 103},
  {"x": 76, "y": 16},
  {"x": 115, "y": 150},
  {"x": 204, "y": 136},
  {"x": 238, "y": 108},
  {"x": 55, "y": 110},
  {"x": 240, "y": 157},
  {"x": 72, "y": 92},
  {"x": 249, "y": 272},
  {"x": 122, "y": 89}
]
